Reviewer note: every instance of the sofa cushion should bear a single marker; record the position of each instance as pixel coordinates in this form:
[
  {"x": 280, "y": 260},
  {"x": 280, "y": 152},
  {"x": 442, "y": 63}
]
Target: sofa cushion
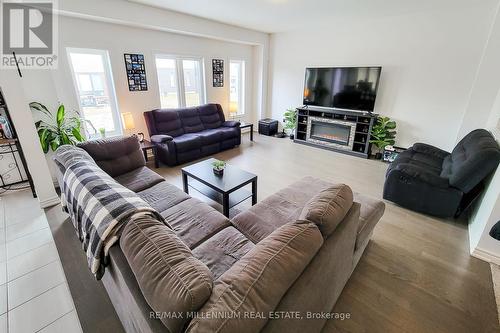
[
  {"x": 229, "y": 132},
  {"x": 284, "y": 206},
  {"x": 328, "y": 208},
  {"x": 194, "y": 221},
  {"x": 210, "y": 136},
  {"x": 167, "y": 121},
  {"x": 170, "y": 277},
  {"x": 222, "y": 250},
  {"x": 190, "y": 119},
  {"x": 257, "y": 282},
  {"x": 187, "y": 142},
  {"x": 116, "y": 155},
  {"x": 163, "y": 196},
  {"x": 139, "y": 179},
  {"x": 211, "y": 116}
]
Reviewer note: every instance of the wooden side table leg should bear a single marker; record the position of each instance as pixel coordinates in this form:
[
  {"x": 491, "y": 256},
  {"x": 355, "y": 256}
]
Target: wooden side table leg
[
  {"x": 185, "y": 182},
  {"x": 225, "y": 204},
  {"x": 145, "y": 152},
  {"x": 254, "y": 191}
]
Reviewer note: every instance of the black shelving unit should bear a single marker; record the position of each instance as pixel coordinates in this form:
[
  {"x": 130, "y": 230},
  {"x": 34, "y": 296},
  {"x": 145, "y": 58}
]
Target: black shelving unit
[
  {"x": 15, "y": 166},
  {"x": 364, "y": 123}
]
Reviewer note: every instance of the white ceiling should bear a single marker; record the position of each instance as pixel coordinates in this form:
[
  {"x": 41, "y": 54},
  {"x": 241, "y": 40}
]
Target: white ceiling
[{"x": 284, "y": 15}]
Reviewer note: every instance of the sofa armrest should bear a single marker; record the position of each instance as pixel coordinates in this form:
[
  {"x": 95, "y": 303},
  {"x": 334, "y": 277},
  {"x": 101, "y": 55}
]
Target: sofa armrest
[
  {"x": 421, "y": 174},
  {"x": 171, "y": 279},
  {"x": 430, "y": 150},
  {"x": 258, "y": 281},
  {"x": 231, "y": 123},
  {"x": 160, "y": 138}
]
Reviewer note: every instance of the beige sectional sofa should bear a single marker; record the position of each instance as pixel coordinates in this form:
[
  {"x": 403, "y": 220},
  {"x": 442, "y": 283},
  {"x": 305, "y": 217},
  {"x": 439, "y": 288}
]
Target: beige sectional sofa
[{"x": 289, "y": 255}]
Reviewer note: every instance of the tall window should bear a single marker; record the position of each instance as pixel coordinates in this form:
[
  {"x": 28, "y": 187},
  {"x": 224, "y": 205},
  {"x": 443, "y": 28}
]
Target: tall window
[
  {"x": 95, "y": 89},
  {"x": 237, "y": 87},
  {"x": 180, "y": 80}
]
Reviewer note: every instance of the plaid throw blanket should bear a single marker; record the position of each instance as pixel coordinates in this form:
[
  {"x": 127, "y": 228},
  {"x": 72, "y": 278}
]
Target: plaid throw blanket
[{"x": 99, "y": 208}]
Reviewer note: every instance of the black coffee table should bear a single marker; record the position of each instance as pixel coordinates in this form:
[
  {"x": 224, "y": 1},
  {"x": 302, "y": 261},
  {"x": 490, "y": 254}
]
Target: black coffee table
[{"x": 227, "y": 189}]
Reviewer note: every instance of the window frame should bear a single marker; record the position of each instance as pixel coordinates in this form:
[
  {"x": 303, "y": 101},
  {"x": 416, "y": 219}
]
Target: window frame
[
  {"x": 179, "y": 71},
  {"x": 109, "y": 84},
  {"x": 241, "y": 88}
]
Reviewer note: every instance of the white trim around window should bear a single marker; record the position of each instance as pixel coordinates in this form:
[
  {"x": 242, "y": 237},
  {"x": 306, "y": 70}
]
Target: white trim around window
[
  {"x": 188, "y": 91},
  {"x": 99, "y": 104},
  {"x": 237, "y": 85}
]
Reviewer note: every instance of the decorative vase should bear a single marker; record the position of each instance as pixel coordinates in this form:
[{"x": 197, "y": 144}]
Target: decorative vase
[
  {"x": 218, "y": 172},
  {"x": 292, "y": 136}
]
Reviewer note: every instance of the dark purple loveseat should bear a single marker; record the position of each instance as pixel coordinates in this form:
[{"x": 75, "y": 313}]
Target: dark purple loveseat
[{"x": 183, "y": 135}]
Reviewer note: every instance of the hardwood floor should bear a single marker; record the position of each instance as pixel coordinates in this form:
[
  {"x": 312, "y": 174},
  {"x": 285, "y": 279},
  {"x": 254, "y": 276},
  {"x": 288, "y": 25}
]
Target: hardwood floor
[{"x": 416, "y": 274}]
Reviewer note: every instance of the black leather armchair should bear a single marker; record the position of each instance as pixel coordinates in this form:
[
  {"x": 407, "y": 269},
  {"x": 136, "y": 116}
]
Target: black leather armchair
[{"x": 430, "y": 180}]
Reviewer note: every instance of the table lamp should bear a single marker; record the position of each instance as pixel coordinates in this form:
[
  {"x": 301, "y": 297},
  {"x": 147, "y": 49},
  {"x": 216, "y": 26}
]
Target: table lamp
[
  {"x": 128, "y": 122},
  {"x": 233, "y": 109}
]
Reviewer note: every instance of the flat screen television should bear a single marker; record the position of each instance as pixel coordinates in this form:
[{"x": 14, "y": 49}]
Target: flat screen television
[{"x": 351, "y": 88}]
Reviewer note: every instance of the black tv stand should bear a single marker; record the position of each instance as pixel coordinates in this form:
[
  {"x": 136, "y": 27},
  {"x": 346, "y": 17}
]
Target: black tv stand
[{"x": 342, "y": 131}]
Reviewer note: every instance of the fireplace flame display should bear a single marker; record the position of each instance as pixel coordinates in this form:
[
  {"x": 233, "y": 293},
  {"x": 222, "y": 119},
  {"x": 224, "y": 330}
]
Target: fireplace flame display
[
  {"x": 331, "y": 132},
  {"x": 332, "y": 137}
]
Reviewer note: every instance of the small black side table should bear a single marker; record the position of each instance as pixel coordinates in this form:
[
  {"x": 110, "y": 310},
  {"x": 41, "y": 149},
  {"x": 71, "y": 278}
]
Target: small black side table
[
  {"x": 145, "y": 146},
  {"x": 244, "y": 125}
]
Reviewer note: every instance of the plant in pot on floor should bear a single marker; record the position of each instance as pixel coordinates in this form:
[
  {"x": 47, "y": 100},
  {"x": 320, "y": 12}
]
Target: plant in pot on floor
[
  {"x": 290, "y": 121},
  {"x": 383, "y": 134},
  {"x": 59, "y": 128},
  {"x": 218, "y": 167}
]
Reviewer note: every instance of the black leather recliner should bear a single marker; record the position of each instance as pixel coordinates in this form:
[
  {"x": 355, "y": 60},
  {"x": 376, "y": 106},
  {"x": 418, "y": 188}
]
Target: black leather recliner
[
  {"x": 429, "y": 180},
  {"x": 185, "y": 134}
]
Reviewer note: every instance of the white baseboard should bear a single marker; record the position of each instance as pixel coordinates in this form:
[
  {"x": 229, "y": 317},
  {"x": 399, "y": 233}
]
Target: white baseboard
[
  {"x": 486, "y": 256},
  {"x": 50, "y": 202}
]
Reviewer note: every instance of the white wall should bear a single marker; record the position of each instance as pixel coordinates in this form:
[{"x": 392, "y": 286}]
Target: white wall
[
  {"x": 483, "y": 111},
  {"x": 486, "y": 85},
  {"x": 487, "y": 211},
  {"x": 15, "y": 91},
  {"x": 119, "y": 39},
  {"x": 482, "y": 245},
  {"x": 429, "y": 63}
]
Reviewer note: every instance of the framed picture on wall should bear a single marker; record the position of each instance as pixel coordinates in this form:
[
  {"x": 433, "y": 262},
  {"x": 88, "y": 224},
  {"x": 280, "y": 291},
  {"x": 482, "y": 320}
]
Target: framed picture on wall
[
  {"x": 218, "y": 73},
  {"x": 136, "y": 72}
]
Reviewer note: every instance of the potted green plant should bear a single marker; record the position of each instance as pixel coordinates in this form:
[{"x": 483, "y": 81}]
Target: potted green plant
[
  {"x": 102, "y": 131},
  {"x": 218, "y": 167},
  {"x": 383, "y": 134},
  {"x": 57, "y": 129},
  {"x": 290, "y": 121}
]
